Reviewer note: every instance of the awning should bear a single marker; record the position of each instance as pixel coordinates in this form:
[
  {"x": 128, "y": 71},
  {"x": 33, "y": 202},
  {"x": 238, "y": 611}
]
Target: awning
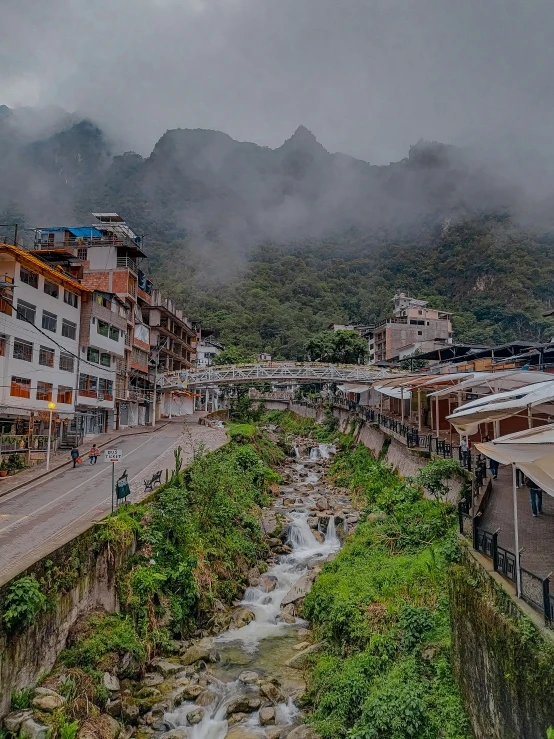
[
  {"x": 496, "y": 382},
  {"x": 349, "y": 387},
  {"x": 532, "y": 451},
  {"x": 497, "y": 406},
  {"x": 86, "y": 233},
  {"x": 394, "y": 391}
]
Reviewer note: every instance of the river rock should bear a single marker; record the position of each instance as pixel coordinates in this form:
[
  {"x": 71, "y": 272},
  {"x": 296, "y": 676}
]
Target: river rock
[
  {"x": 298, "y": 662},
  {"x": 113, "y": 707},
  {"x": 13, "y": 720},
  {"x": 248, "y": 677},
  {"x": 274, "y": 732},
  {"x": 130, "y": 712},
  {"x": 152, "y": 679},
  {"x": 286, "y": 618},
  {"x": 179, "y": 733},
  {"x": 191, "y": 692},
  {"x": 241, "y": 732},
  {"x": 148, "y": 693},
  {"x": 33, "y": 729},
  {"x": 195, "y": 654},
  {"x": 242, "y": 617},
  {"x": 267, "y": 715},
  {"x": 205, "y": 698},
  {"x": 300, "y": 589},
  {"x": 236, "y": 718},
  {"x": 244, "y": 704},
  {"x": 313, "y": 522},
  {"x": 48, "y": 702},
  {"x": 302, "y": 732},
  {"x": 318, "y": 536},
  {"x": 272, "y": 693},
  {"x": 322, "y": 504},
  {"x": 268, "y": 583},
  {"x": 196, "y": 716},
  {"x": 111, "y": 683},
  {"x": 167, "y": 668}
]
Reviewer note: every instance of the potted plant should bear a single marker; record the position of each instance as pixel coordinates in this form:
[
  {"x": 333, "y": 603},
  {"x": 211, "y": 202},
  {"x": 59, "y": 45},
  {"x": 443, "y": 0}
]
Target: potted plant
[
  {"x": 16, "y": 463},
  {"x": 4, "y": 467}
]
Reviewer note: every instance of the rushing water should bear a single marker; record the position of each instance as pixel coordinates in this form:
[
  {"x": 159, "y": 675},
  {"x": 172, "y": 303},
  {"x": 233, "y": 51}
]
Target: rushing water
[{"x": 267, "y": 641}]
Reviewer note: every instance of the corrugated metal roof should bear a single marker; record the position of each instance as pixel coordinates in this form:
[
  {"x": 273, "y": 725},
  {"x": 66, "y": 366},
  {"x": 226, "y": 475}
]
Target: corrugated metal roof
[
  {"x": 27, "y": 257},
  {"x": 85, "y": 232}
]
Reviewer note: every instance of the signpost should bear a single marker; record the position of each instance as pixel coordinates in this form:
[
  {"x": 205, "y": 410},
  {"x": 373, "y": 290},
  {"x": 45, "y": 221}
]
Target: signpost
[{"x": 113, "y": 456}]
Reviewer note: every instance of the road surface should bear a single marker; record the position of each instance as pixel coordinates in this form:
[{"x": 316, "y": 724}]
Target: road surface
[{"x": 47, "y": 513}]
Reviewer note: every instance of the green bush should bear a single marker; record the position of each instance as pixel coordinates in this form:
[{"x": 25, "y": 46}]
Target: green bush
[
  {"x": 21, "y": 699},
  {"x": 23, "y": 602}
]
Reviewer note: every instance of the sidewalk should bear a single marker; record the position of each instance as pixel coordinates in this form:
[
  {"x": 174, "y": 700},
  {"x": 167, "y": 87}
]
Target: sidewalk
[{"x": 62, "y": 458}]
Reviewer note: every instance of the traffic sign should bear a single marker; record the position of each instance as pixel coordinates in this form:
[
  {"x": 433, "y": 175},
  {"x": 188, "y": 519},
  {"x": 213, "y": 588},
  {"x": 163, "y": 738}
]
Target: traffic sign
[{"x": 113, "y": 455}]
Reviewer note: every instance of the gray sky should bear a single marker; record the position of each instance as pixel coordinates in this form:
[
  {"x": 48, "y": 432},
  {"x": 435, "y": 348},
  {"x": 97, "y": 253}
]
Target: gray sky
[{"x": 368, "y": 77}]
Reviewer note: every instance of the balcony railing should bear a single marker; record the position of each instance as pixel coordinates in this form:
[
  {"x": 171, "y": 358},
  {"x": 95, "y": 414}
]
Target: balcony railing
[
  {"x": 127, "y": 262},
  {"x": 88, "y": 393}
]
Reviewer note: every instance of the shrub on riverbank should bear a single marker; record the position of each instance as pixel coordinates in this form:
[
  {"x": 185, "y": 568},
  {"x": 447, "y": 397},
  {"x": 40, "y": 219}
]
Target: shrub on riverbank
[{"x": 382, "y": 608}]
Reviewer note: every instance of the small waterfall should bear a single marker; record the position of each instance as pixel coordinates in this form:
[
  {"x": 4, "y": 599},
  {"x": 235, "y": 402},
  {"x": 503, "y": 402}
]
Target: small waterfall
[
  {"x": 331, "y": 537},
  {"x": 314, "y": 452},
  {"x": 300, "y": 535},
  {"x": 324, "y": 451},
  {"x": 296, "y": 452}
]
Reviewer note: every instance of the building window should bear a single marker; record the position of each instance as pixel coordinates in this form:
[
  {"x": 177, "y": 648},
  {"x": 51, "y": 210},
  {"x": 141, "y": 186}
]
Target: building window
[
  {"x": 420, "y": 333},
  {"x": 67, "y": 362},
  {"x": 102, "y": 300},
  {"x": 65, "y": 395},
  {"x": 69, "y": 329},
  {"x": 105, "y": 360},
  {"x": 82, "y": 253},
  {"x": 103, "y": 328},
  {"x": 3, "y": 345},
  {"x": 29, "y": 278},
  {"x": 93, "y": 355},
  {"x": 50, "y": 288},
  {"x": 88, "y": 386},
  {"x": 46, "y": 356},
  {"x": 5, "y": 307},
  {"x": 114, "y": 333},
  {"x": 139, "y": 357},
  {"x": 132, "y": 286},
  {"x": 70, "y": 298},
  {"x": 49, "y": 321},
  {"x": 44, "y": 390},
  {"x": 26, "y": 311},
  {"x": 22, "y": 350},
  {"x": 20, "y": 387}
]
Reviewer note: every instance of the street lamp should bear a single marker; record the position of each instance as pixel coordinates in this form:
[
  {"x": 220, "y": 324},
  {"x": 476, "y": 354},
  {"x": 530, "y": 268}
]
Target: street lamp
[{"x": 51, "y": 406}]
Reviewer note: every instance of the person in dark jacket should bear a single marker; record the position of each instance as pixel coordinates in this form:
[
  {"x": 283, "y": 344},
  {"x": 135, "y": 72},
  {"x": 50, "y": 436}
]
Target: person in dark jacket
[
  {"x": 74, "y": 456},
  {"x": 535, "y": 494}
]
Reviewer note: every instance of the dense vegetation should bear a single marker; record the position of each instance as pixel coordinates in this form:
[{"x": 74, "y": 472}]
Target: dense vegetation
[{"x": 382, "y": 609}]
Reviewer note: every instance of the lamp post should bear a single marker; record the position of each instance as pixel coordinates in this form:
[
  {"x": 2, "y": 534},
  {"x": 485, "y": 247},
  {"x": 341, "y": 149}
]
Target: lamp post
[{"x": 51, "y": 406}]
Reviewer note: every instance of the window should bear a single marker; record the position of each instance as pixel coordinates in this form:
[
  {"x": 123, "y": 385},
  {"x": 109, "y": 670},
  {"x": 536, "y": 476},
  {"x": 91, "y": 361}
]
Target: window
[
  {"x": 29, "y": 278},
  {"x": 22, "y": 350},
  {"x": 50, "y": 288},
  {"x": 3, "y": 345},
  {"x": 103, "y": 328},
  {"x": 114, "y": 333},
  {"x": 26, "y": 311},
  {"x": 82, "y": 253},
  {"x": 70, "y": 298},
  {"x": 109, "y": 388},
  {"x": 20, "y": 387},
  {"x": 67, "y": 362},
  {"x": 420, "y": 333},
  {"x": 46, "y": 356},
  {"x": 105, "y": 360},
  {"x": 65, "y": 395},
  {"x": 5, "y": 307},
  {"x": 69, "y": 329},
  {"x": 102, "y": 300},
  {"x": 49, "y": 321},
  {"x": 139, "y": 357},
  {"x": 93, "y": 355},
  {"x": 88, "y": 385},
  {"x": 44, "y": 390},
  {"x": 132, "y": 289}
]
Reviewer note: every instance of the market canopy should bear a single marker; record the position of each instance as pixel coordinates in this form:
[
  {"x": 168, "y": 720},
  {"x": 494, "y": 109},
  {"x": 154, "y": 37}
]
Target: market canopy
[
  {"x": 532, "y": 451},
  {"x": 393, "y": 391},
  {"x": 495, "y": 407},
  {"x": 350, "y": 387},
  {"x": 495, "y": 382}
]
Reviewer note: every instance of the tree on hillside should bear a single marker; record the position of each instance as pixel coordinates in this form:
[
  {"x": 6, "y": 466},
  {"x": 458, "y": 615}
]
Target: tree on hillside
[
  {"x": 233, "y": 355},
  {"x": 338, "y": 347}
]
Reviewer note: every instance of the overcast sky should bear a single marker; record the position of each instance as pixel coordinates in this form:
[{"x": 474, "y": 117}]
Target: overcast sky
[{"x": 368, "y": 77}]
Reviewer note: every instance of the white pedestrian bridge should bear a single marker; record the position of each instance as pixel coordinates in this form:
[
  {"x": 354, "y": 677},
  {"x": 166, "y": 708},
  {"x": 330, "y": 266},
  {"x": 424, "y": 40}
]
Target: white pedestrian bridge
[{"x": 302, "y": 372}]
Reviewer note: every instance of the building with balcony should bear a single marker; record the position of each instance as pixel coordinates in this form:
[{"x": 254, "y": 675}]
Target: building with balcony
[
  {"x": 40, "y": 321},
  {"x": 413, "y": 325}
]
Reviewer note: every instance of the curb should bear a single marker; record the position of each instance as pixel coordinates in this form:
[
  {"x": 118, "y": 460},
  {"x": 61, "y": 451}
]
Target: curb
[{"x": 157, "y": 427}]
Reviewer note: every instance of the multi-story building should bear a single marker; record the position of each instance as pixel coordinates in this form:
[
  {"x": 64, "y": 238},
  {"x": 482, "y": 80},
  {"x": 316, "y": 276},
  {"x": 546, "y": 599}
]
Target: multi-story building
[
  {"x": 206, "y": 346},
  {"x": 111, "y": 253},
  {"x": 173, "y": 351},
  {"x": 413, "y": 325},
  {"x": 40, "y": 316}
]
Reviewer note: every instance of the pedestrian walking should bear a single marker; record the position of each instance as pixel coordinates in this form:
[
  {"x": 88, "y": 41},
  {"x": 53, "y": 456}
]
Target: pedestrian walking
[
  {"x": 535, "y": 495},
  {"x": 93, "y": 454},
  {"x": 74, "y": 456}
]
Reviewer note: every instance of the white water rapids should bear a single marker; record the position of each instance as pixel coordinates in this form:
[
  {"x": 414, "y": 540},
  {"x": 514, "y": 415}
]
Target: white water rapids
[{"x": 265, "y": 629}]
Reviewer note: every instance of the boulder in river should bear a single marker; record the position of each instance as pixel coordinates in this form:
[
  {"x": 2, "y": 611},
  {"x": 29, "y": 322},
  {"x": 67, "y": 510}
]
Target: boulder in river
[
  {"x": 248, "y": 677},
  {"x": 242, "y": 617},
  {"x": 268, "y": 583},
  {"x": 272, "y": 693},
  {"x": 179, "y": 733},
  {"x": 167, "y": 668},
  {"x": 205, "y": 698},
  {"x": 244, "y": 704},
  {"x": 241, "y": 732},
  {"x": 195, "y": 716},
  {"x": 322, "y": 504},
  {"x": 267, "y": 715},
  {"x": 195, "y": 654}
]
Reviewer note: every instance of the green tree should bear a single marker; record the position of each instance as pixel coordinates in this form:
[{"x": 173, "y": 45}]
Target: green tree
[
  {"x": 342, "y": 347},
  {"x": 233, "y": 355}
]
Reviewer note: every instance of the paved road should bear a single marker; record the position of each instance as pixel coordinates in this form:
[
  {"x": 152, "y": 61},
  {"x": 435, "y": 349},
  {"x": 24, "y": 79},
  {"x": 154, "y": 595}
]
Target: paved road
[{"x": 37, "y": 519}]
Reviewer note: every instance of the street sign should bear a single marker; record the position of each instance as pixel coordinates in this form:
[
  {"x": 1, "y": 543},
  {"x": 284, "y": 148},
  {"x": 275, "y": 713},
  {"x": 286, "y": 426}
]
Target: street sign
[{"x": 113, "y": 455}]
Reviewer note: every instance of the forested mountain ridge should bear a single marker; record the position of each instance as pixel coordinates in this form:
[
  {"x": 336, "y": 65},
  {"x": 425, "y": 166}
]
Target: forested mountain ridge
[{"x": 271, "y": 245}]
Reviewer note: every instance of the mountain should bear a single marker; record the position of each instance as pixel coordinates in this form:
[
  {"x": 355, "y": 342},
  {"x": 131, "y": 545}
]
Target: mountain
[{"x": 272, "y": 244}]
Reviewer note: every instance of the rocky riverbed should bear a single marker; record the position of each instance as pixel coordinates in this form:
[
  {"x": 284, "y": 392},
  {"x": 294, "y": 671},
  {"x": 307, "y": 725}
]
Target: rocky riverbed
[{"x": 239, "y": 679}]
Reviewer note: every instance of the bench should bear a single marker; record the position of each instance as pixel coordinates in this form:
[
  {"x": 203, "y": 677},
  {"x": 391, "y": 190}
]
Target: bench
[{"x": 156, "y": 479}]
